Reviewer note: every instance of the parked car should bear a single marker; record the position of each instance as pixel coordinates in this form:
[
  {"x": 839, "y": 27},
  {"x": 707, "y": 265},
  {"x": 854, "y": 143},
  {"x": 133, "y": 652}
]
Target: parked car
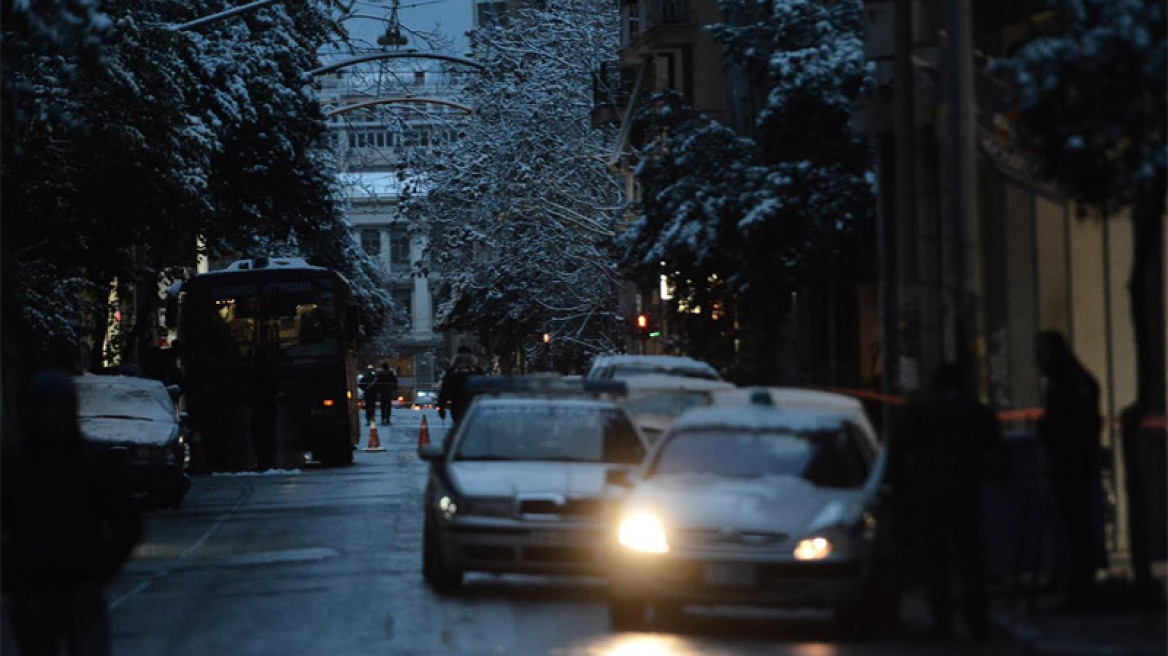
[
  {"x": 758, "y": 505},
  {"x": 623, "y": 367},
  {"x": 655, "y": 401},
  {"x": 137, "y": 418},
  {"x": 522, "y": 485},
  {"x": 425, "y": 400}
]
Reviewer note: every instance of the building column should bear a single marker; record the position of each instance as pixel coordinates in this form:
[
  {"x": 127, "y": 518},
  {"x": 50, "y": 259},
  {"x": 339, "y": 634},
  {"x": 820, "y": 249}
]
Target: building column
[
  {"x": 423, "y": 315},
  {"x": 383, "y": 250}
]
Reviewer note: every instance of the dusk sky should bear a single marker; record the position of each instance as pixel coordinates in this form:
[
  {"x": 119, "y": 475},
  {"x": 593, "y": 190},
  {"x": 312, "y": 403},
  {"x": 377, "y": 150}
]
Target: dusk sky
[{"x": 450, "y": 18}]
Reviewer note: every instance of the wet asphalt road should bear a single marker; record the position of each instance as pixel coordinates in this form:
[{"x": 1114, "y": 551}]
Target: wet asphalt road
[{"x": 327, "y": 561}]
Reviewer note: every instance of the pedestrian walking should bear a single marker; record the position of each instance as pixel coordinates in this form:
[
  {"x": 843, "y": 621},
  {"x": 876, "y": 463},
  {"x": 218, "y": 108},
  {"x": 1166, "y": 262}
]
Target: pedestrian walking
[
  {"x": 69, "y": 523},
  {"x": 454, "y": 395},
  {"x": 941, "y": 444},
  {"x": 387, "y": 384},
  {"x": 1069, "y": 432}
]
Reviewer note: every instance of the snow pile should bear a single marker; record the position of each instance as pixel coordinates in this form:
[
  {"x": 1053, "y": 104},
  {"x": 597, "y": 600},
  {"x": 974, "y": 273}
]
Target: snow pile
[{"x": 266, "y": 472}]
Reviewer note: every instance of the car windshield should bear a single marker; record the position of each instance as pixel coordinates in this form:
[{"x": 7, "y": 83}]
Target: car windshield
[
  {"x": 113, "y": 399},
  {"x": 550, "y": 432},
  {"x": 670, "y": 404},
  {"x": 827, "y": 458}
]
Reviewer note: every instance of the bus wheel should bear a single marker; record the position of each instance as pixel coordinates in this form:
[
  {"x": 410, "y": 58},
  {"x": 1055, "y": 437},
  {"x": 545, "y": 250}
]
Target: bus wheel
[{"x": 336, "y": 456}]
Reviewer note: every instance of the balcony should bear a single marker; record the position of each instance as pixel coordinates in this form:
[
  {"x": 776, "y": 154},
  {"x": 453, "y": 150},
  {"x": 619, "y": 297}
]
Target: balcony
[
  {"x": 612, "y": 87},
  {"x": 640, "y": 17}
]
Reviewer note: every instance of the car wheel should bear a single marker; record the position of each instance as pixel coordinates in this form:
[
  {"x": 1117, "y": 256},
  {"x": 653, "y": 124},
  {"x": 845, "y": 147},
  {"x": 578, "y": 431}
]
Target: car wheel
[
  {"x": 172, "y": 501},
  {"x": 440, "y": 577},
  {"x": 627, "y": 614}
]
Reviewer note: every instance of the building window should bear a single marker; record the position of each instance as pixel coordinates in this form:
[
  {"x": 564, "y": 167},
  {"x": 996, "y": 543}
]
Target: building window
[
  {"x": 403, "y": 300},
  {"x": 419, "y": 77},
  {"x": 399, "y": 251},
  {"x": 371, "y": 242}
]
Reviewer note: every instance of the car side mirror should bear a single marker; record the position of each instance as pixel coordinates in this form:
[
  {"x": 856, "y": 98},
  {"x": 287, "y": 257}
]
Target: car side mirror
[
  {"x": 431, "y": 452},
  {"x": 174, "y": 391},
  {"x": 619, "y": 478}
]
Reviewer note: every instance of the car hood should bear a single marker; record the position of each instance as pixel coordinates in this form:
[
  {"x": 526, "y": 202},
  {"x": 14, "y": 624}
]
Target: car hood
[
  {"x": 509, "y": 479},
  {"x": 786, "y": 504},
  {"x": 128, "y": 431}
]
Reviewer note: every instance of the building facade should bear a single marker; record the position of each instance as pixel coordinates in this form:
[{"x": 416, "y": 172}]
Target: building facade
[{"x": 386, "y": 120}]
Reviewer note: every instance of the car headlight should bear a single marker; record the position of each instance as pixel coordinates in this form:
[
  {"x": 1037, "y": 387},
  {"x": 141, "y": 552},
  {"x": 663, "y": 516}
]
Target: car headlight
[
  {"x": 447, "y": 506},
  {"x": 643, "y": 532},
  {"x": 814, "y": 548}
]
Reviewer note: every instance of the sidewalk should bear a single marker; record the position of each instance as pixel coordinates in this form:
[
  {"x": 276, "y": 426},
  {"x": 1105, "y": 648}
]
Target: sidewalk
[{"x": 1114, "y": 630}]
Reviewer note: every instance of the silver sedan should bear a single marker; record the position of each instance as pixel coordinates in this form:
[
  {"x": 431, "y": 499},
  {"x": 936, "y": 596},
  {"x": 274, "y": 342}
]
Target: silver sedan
[
  {"x": 753, "y": 505},
  {"x": 523, "y": 486}
]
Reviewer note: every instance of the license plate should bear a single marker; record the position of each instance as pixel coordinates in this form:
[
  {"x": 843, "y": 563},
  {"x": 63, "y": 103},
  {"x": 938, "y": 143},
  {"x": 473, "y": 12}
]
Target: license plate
[
  {"x": 730, "y": 575},
  {"x": 550, "y": 537}
]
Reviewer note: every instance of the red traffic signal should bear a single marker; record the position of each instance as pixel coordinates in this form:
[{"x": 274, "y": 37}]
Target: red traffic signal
[{"x": 642, "y": 321}]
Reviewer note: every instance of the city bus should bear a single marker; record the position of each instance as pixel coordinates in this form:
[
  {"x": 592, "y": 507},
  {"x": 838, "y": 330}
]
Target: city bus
[{"x": 267, "y": 352}]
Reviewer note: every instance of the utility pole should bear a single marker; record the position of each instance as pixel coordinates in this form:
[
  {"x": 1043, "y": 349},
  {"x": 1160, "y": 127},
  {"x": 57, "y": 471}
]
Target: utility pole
[
  {"x": 904, "y": 217},
  {"x": 964, "y": 271}
]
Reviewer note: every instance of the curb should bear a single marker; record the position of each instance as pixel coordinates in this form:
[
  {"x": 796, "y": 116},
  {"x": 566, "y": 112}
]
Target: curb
[{"x": 1036, "y": 642}]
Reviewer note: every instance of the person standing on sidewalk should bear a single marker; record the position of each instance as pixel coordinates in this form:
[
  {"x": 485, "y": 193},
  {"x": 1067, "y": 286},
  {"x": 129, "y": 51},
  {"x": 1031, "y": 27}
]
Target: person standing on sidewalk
[
  {"x": 941, "y": 443},
  {"x": 1069, "y": 432},
  {"x": 368, "y": 403},
  {"x": 455, "y": 391},
  {"x": 69, "y": 523},
  {"x": 387, "y": 382}
]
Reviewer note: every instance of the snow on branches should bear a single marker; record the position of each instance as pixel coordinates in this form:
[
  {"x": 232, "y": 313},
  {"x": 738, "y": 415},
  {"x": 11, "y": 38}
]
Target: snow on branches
[{"x": 522, "y": 209}]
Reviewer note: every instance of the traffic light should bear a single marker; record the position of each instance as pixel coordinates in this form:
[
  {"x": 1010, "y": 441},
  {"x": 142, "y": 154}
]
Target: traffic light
[
  {"x": 547, "y": 338},
  {"x": 643, "y": 326}
]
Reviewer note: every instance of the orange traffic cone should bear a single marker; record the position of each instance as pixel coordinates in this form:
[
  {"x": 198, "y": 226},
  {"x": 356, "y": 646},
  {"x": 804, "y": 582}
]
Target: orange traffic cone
[
  {"x": 424, "y": 434},
  {"x": 374, "y": 441}
]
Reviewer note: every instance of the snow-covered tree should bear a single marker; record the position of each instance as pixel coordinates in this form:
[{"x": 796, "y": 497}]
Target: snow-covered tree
[
  {"x": 126, "y": 144},
  {"x": 1091, "y": 90},
  {"x": 760, "y": 214},
  {"x": 522, "y": 210}
]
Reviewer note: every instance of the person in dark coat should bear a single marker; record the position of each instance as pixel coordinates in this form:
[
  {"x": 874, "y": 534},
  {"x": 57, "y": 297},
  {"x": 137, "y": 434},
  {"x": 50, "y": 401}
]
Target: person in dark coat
[
  {"x": 387, "y": 388},
  {"x": 369, "y": 390},
  {"x": 941, "y": 443},
  {"x": 454, "y": 395},
  {"x": 1069, "y": 432},
  {"x": 69, "y": 523}
]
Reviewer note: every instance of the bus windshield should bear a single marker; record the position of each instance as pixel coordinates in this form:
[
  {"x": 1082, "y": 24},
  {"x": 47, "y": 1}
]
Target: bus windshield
[{"x": 295, "y": 319}]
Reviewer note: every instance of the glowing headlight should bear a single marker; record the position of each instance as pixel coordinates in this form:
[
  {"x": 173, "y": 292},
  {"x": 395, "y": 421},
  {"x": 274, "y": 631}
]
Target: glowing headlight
[
  {"x": 447, "y": 506},
  {"x": 813, "y": 549},
  {"x": 643, "y": 532}
]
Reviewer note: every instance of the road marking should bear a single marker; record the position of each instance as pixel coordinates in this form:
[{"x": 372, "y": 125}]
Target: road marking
[{"x": 186, "y": 553}]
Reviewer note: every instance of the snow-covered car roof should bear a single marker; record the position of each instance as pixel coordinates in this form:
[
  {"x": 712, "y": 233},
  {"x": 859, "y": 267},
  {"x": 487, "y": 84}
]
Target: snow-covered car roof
[
  {"x": 125, "y": 409},
  {"x": 759, "y": 418},
  {"x": 640, "y": 385},
  {"x": 789, "y": 397},
  {"x": 527, "y": 402},
  {"x": 662, "y": 363}
]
